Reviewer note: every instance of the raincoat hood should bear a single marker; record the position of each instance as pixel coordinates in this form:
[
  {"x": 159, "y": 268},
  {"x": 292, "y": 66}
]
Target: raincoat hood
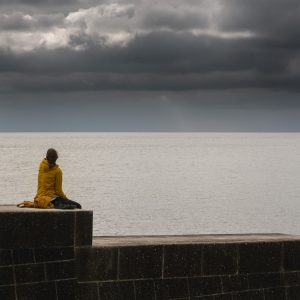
[{"x": 45, "y": 166}]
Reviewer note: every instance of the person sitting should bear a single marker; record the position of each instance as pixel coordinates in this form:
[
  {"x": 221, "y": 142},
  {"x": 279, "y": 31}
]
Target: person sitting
[
  {"x": 49, "y": 181},
  {"x": 49, "y": 191}
]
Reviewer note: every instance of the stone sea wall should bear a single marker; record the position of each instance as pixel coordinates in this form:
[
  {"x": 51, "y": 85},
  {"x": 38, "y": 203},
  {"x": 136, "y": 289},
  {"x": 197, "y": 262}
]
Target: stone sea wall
[
  {"x": 206, "y": 270},
  {"x": 51, "y": 255},
  {"x": 37, "y": 248}
]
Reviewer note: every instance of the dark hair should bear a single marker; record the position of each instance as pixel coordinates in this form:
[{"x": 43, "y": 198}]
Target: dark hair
[{"x": 52, "y": 155}]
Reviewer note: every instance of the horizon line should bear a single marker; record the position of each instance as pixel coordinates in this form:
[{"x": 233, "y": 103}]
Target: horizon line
[{"x": 161, "y": 131}]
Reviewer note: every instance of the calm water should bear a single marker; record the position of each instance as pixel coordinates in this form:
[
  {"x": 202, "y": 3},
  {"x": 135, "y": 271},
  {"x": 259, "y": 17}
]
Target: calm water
[{"x": 166, "y": 183}]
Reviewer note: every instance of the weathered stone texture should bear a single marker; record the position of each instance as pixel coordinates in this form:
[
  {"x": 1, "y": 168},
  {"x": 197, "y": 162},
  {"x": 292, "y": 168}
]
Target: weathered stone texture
[
  {"x": 96, "y": 264},
  {"x": 48, "y": 255},
  {"x": 236, "y": 270},
  {"x": 37, "y": 252},
  {"x": 140, "y": 262}
]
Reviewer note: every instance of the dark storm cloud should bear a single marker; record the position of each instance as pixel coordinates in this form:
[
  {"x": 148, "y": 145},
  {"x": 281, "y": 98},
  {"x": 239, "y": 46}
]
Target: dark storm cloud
[
  {"x": 174, "y": 18},
  {"x": 143, "y": 45},
  {"x": 160, "y": 52},
  {"x": 180, "y": 62},
  {"x": 271, "y": 18}
]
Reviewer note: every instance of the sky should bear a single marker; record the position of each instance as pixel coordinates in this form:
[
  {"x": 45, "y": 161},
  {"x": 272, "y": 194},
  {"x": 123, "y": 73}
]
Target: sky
[{"x": 149, "y": 65}]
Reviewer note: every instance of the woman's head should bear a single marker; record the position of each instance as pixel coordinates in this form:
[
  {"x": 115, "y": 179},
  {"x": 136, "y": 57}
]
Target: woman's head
[{"x": 52, "y": 156}]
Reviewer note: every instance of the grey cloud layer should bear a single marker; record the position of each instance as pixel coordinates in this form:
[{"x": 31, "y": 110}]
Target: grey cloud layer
[
  {"x": 152, "y": 45},
  {"x": 272, "y": 18},
  {"x": 18, "y": 21}
]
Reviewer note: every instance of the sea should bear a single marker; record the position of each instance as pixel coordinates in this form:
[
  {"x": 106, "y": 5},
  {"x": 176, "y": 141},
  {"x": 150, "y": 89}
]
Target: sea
[{"x": 166, "y": 183}]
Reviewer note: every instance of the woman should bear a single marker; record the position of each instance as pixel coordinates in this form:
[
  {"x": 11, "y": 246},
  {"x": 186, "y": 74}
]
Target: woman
[{"x": 49, "y": 181}]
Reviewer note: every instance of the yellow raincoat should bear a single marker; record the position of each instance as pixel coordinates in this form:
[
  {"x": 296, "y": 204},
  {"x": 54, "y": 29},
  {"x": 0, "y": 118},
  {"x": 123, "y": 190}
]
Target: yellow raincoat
[{"x": 49, "y": 185}]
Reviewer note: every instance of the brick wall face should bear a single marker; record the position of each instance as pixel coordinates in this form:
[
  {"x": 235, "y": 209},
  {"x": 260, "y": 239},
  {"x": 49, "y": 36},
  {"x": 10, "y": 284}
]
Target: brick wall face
[{"x": 233, "y": 271}]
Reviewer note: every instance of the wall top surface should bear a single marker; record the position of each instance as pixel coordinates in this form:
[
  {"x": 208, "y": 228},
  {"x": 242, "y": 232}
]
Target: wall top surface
[
  {"x": 14, "y": 209},
  {"x": 116, "y": 241}
]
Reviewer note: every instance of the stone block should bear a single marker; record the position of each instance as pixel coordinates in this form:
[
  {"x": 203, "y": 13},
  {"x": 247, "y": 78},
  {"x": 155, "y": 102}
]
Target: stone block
[
  {"x": 61, "y": 230},
  {"x": 268, "y": 280},
  {"x": 291, "y": 261},
  {"x": 23, "y": 256},
  {"x": 275, "y": 294},
  {"x": 249, "y": 295},
  {"x": 96, "y": 264},
  {"x": 9, "y": 231},
  {"x": 65, "y": 289},
  {"x": 222, "y": 297},
  {"x": 37, "y": 291},
  {"x": 260, "y": 257},
  {"x": 116, "y": 290},
  {"x": 87, "y": 291},
  {"x": 36, "y": 229},
  {"x": 215, "y": 297},
  {"x": 182, "y": 260},
  {"x": 202, "y": 286},
  {"x": 220, "y": 259},
  {"x": 203, "y": 298},
  {"x": 6, "y": 275},
  {"x": 293, "y": 293},
  {"x": 5, "y": 258},
  {"x": 234, "y": 283},
  {"x": 84, "y": 228},
  {"x": 54, "y": 254},
  {"x": 171, "y": 288},
  {"x": 29, "y": 273},
  {"x": 291, "y": 279},
  {"x": 7, "y": 293},
  {"x": 144, "y": 289},
  {"x": 60, "y": 270},
  {"x": 140, "y": 262}
]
